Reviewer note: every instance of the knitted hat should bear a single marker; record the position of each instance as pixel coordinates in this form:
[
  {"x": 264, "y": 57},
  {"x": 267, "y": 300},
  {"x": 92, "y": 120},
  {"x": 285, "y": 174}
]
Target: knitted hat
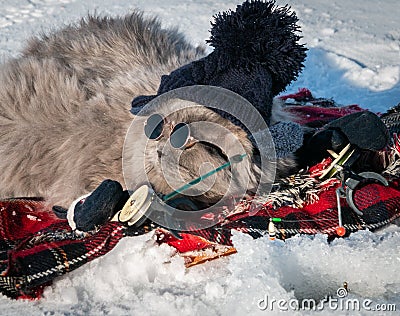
[{"x": 256, "y": 55}]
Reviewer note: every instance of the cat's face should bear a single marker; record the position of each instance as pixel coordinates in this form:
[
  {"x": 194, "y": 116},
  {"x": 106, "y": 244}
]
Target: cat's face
[{"x": 212, "y": 140}]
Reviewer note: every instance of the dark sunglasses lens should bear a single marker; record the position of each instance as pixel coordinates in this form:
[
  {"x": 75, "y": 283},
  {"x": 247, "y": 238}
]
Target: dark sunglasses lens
[
  {"x": 154, "y": 126},
  {"x": 179, "y": 136}
]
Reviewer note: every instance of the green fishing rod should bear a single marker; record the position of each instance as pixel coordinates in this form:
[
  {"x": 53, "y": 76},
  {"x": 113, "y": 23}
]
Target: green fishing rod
[{"x": 233, "y": 159}]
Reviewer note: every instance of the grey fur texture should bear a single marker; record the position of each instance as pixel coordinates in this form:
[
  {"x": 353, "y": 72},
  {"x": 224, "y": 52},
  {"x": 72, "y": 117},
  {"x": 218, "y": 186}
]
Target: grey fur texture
[{"x": 64, "y": 106}]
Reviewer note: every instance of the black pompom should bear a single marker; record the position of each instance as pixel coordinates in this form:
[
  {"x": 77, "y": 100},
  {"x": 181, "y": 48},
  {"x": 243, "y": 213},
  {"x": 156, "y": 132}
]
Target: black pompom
[{"x": 259, "y": 33}]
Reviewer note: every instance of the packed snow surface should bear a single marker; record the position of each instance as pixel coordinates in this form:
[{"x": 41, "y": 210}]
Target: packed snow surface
[{"x": 354, "y": 58}]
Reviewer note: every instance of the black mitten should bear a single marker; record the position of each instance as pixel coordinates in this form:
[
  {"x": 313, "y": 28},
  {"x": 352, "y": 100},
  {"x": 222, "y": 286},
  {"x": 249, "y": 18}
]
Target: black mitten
[
  {"x": 364, "y": 130},
  {"x": 99, "y": 207}
]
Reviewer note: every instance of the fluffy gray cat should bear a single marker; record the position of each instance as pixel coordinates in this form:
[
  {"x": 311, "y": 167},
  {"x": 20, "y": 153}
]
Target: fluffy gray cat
[{"x": 64, "y": 108}]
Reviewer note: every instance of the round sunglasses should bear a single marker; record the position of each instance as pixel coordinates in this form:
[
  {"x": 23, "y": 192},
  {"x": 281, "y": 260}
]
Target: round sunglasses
[{"x": 179, "y": 136}]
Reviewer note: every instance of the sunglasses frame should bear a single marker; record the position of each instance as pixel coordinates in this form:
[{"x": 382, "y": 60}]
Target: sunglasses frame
[{"x": 189, "y": 140}]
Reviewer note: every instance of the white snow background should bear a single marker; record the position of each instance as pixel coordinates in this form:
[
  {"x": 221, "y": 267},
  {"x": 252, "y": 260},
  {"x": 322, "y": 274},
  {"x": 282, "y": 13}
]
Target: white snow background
[{"x": 354, "y": 58}]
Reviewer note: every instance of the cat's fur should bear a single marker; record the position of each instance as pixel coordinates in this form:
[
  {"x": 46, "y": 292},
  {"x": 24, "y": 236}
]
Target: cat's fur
[{"x": 64, "y": 106}]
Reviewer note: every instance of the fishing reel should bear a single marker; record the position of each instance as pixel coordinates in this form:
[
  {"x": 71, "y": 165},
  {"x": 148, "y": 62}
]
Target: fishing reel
[
  {"x": 144, "y": 203},
  {"x": 137, "y": 207}
]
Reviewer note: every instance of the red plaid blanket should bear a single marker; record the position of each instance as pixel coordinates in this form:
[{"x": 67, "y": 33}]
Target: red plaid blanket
[{"x": 36, "y": 246}]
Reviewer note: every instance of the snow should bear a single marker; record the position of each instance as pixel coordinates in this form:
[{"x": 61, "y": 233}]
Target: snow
[{"x": 354, "y": 54}]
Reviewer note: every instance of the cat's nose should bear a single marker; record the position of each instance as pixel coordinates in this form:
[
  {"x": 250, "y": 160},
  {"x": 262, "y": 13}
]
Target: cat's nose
[{"x": 159, "y": 152}]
